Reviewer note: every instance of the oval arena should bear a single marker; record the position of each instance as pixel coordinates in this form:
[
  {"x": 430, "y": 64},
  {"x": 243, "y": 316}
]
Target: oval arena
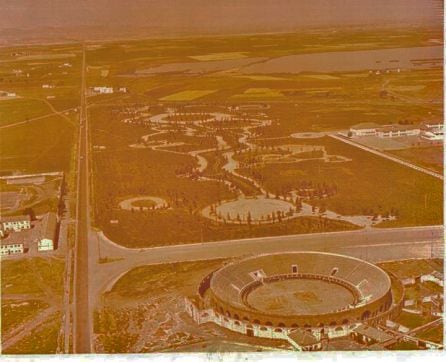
[{"x": 273, "y": 296}]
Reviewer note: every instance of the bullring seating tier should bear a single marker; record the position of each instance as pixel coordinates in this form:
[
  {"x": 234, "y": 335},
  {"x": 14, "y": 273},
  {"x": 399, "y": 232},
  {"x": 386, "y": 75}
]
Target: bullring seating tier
[{"x": 228, "y": 281}]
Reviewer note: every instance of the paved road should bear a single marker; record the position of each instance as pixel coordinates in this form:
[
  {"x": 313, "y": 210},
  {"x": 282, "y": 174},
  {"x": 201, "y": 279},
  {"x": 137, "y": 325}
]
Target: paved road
[
  {"x": 55, "y": 112},
  {"x": 389, "y": 157},
  {"x": 373, "y": 245},
  {"x": 81, "y": 315}
]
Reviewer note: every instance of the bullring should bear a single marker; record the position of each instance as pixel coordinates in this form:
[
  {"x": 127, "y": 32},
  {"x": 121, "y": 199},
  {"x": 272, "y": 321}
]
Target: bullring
[{"x": 272, "y": 295}]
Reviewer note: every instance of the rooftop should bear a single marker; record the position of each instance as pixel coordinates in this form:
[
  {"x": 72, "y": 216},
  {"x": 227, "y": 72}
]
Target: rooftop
[
  {"x": 374, "y": 333},
  {"x": 397, "y": 127},
  {"x": 365, "y": 125},
  {"x": 49, "y": 224}
]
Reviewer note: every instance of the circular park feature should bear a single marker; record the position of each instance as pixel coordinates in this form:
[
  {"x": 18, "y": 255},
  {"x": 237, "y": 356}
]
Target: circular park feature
[
  {"x": 245, "y": 210},
  {"x": 144, "y": 203},
  {"x": 305, "y": 135}
]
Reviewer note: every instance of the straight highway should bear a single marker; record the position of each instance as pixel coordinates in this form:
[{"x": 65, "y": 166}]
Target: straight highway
[{"x": 81, "y": 313}]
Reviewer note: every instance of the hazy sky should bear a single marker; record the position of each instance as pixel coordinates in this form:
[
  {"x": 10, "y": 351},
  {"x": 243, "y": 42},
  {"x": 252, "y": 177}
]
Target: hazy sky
[{"x": 216, "y": 15}]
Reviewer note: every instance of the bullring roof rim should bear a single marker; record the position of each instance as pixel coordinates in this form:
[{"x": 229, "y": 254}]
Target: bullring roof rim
[{"x": 239, "y": 260}]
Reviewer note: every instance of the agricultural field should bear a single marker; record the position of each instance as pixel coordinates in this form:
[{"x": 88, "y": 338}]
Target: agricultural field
[
  {"x": 42, "y": 116},
  {"x": 187, "y": 95},
  {"x": 31, "y": 302}
]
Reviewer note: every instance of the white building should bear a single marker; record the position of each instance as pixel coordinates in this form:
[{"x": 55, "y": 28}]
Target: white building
[
  {"x": 7, "y": 94},
  {"x": 9, "y": 248},
  {"x": 433, "y": 136},
  {"x": 397, "y": 130},
  {"x": 433, "y": 125},
  {"x": 103, "y": 90},
  {"x": 16, "y": 223},
  {"x": 47, "y": 238},
  {"x": 435, "y": 277},
  {"x": 364, "y": 129},
  {"x": 432, "y": 131}
]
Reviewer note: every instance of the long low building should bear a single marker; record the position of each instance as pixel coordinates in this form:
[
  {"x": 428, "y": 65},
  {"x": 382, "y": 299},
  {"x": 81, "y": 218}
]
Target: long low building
[
  {"x": 432, "y": 131},
  {"x": 11, "y": 247},
  {"x": 364, "y": 129},
  {"x": 16, "y": 223},
  {"x": 397, "y": 130}
]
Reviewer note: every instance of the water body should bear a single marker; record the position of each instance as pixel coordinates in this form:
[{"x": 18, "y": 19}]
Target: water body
[
  {"x": 198, "y": 67},
  {"x": 381, "y": 59},
  {"x": 378, "y": 59}
]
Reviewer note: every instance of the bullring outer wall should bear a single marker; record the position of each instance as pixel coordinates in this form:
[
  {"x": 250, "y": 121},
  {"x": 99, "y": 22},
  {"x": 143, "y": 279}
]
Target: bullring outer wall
[{"x": 209, "y": 307}]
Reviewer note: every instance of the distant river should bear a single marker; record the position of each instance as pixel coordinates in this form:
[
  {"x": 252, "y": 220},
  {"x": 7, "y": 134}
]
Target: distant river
[{"x": 381, "y": 59}]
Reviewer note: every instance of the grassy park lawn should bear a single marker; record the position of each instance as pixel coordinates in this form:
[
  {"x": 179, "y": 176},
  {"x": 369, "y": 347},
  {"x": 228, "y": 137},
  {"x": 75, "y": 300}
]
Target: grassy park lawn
[
  {"x": 429, "y": 157},
  {"x": 144, "y": 203},
  {"x": 380, "y": 187}
]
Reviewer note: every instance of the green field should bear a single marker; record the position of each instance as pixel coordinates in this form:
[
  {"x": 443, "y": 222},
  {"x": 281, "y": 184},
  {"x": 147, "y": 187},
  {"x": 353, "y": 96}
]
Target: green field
[
  {"x": 428, "y": 157},
  {"x": 45, "y": 145},
  {"x": 413, "y": 268},
  {"x": 432, "y": 334},
  {"x": 16, "y": 312},
  {"x": 262, "y": 93},
  {"x": 219, "y": 56},
  {"x": 41, "y": 340},
  {"x": 35, "y": 276},
  {"x": 187, "y": 95},
  {"x": 29, "y": 286},
  {"x": 411, "y": 320},
  {"x": 40, "y": 138}
]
